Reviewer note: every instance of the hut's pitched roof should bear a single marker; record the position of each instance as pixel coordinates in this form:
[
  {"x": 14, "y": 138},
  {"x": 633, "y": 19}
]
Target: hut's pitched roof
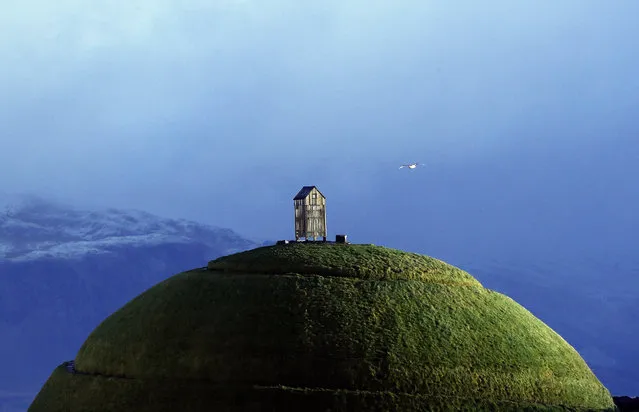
[{"x": 305, "y": 191}]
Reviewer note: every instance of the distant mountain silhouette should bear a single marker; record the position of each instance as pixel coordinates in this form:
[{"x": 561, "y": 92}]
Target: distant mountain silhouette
[
  {"x": 63, "y": 270},
  {"x": 626, "y": 403}
]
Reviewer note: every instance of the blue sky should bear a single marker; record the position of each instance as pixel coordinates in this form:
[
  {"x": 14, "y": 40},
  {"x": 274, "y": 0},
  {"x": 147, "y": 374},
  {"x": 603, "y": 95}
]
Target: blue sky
[{"x": 525, "y": 114}]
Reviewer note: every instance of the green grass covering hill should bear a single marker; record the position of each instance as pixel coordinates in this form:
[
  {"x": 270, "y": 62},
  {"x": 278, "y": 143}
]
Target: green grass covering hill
[
  {"x": 368, "y": 262},
  {"x": 324, "y": 327}
]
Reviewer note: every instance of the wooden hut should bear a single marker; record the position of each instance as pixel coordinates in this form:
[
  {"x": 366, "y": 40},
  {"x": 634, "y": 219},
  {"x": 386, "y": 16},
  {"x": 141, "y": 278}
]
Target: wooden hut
[{"x": 310, "y": 214}]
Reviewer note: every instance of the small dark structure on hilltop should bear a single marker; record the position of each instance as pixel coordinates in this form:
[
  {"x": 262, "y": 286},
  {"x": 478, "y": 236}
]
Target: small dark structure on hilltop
[{"x": 310, "y": 214}]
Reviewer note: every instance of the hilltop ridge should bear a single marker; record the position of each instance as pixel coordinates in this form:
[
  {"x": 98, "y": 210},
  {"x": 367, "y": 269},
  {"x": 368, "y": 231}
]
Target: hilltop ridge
[{"x": 362, "y": 261}]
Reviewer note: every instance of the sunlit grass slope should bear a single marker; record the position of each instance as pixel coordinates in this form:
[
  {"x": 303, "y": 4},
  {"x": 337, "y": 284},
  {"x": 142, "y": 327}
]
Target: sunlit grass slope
[{"x": 324, "y": 327}]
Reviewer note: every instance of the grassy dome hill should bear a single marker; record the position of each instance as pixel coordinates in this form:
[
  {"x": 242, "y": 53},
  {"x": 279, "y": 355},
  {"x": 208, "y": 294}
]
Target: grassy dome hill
[{"x": 318, "y": 327}]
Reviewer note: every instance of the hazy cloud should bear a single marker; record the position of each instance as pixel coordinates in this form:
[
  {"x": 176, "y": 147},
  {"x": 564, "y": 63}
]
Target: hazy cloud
[{"x": 206, "y": 109}]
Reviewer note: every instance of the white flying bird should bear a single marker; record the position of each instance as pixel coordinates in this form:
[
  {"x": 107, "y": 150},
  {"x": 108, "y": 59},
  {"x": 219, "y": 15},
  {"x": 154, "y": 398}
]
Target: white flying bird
[{"x": 411, "y": 165}]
